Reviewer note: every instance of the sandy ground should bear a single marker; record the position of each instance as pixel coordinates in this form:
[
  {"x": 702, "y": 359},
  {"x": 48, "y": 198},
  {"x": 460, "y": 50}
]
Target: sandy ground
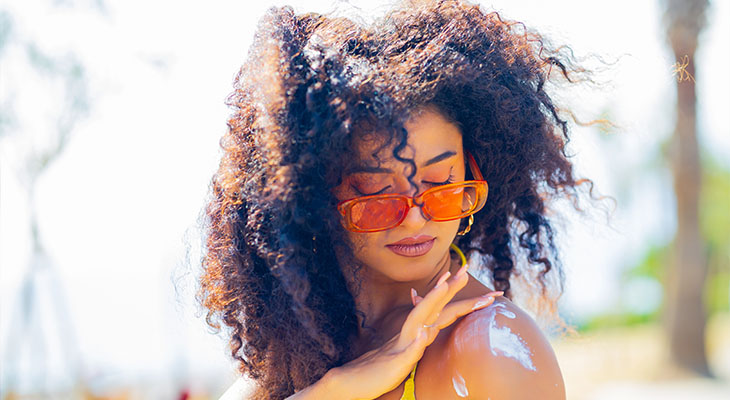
[{"x": 633, "y": 363}]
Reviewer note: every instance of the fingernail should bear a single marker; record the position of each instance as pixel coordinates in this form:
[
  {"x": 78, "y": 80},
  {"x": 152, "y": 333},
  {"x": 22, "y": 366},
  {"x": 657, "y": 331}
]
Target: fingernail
[
  {"x": 483, "y": 303},
  {"x": 413, "y": 296},
  {"x": 443, "y": 278},
  {"x": 494, "y": 294}
]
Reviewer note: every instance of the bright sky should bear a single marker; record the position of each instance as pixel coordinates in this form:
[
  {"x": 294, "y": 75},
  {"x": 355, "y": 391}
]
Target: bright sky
[{"x": 118, "y": 209}]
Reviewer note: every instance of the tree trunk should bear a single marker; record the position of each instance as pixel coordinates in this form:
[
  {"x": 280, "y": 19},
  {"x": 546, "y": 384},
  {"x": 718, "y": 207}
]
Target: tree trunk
[{"x": 685, "y": 315}]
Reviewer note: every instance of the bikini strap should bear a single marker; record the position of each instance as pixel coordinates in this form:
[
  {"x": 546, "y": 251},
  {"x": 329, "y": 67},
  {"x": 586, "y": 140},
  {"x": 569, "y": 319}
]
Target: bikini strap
[
  {"x": 409, "y": 392},
  {"x": 460, "y": 253}
]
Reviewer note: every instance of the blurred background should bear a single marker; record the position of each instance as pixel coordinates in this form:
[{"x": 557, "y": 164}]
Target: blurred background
[{"x": 110, "y": 116}]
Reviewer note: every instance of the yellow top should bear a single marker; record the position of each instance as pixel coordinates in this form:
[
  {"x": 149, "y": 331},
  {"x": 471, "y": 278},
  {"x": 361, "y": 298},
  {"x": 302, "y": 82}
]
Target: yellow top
[{"x": 409, "y": 392}]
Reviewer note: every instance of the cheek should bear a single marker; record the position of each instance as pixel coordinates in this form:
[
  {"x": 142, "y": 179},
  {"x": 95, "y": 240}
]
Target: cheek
[
  {"x": 449, "y": 229},
  {"x": 363, "y": 244}
]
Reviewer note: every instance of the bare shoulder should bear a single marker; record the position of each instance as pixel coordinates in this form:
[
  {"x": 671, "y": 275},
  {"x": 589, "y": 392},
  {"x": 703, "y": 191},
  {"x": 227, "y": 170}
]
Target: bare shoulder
[{"x": 500, "y": 352}]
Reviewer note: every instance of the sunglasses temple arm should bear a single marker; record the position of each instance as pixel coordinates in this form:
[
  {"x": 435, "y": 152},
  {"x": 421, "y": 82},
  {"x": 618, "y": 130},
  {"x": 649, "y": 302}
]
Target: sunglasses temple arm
[{"x": 474, "y": 167}]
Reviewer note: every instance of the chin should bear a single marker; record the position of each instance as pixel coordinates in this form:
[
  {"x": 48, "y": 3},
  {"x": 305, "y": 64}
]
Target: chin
[{"x": 413, "y": 268}]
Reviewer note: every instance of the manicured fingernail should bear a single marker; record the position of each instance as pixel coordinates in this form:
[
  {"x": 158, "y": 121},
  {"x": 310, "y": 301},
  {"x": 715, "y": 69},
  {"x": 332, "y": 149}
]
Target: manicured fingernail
[
  {"x": 494, "y": 294},
  {"x": 413, "y": 296},
  {"x": 462, "y": 270},
  {"x": 443, "y": 278},
  {"x": 483, "y": 303}
]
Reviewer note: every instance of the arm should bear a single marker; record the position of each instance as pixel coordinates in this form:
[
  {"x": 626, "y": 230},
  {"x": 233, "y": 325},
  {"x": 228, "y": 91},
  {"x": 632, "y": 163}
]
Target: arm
[
  {"x": 322, "y": 389},
  {"x": 242, "y": 389},
  {"x": 500, "y": 353},
  {"x": 381, "y": 370}
]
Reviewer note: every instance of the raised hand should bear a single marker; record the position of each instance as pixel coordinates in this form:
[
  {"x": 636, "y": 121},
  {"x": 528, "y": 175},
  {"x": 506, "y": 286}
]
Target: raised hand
[{"x": 383, "y": 369}]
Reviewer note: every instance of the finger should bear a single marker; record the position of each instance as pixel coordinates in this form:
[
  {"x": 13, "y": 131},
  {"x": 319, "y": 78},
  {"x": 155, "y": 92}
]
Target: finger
[
  {"x": 436, "y": 303},
  {"x": 456, "y": 283},
  {"x": 457, "y": 309},
  {"x": 417, "y": 299},
  {"x": 414, "y": 351},
  {"x": 417, "y": 317}
]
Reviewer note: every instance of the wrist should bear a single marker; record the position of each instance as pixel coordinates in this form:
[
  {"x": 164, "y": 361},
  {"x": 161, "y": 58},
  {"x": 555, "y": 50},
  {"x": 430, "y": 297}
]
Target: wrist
[
  {"x": 325, "y": 388},
  {"x": 329, "y": 387}
]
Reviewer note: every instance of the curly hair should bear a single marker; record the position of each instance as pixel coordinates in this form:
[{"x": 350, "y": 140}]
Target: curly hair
[{"x": 312, "y": 84}]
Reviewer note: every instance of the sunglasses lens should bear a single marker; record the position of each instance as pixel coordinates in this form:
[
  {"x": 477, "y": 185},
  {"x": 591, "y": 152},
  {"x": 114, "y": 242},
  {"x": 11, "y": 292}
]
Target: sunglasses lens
[
  {"x": 454, "y": 201},
  {"x": 376, "y": 214},
  {"x": 442, "y": 203}
]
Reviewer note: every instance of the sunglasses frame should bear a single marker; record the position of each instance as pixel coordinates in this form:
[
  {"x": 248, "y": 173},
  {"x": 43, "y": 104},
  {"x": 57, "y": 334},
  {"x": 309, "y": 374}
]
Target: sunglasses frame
[{"x": 345, "y": 207}]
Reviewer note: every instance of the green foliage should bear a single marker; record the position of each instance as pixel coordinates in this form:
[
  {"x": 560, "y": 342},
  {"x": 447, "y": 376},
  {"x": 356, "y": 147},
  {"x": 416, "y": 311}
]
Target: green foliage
[
  {"x": 653, "y": 265},
  {"x": 615, "y": 319},
  {"x": 717, "y": 291},
  {"x": 715, "y": 206},
  {"x": 715, "y": 229}
]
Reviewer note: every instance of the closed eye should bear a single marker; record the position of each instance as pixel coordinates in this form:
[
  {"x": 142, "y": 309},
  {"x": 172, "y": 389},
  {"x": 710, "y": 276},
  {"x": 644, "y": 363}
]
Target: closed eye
[
  {"x": 446, "y": 182},
  {"x": 360, "y": 193}
]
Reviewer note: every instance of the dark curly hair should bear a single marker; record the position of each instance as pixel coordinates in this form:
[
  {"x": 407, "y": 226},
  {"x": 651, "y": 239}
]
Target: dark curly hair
[{"x": 310, "y": 86}]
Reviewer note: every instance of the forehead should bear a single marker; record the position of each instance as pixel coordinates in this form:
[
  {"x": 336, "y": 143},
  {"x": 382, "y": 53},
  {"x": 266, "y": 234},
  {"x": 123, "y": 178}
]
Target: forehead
[{"x": 429, "y": 134}]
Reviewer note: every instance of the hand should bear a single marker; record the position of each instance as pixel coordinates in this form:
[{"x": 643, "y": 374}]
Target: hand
[{"x": 383, "y": 369}]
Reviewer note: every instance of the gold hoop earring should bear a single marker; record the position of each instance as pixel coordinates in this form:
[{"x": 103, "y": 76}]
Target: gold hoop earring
[{"x": 468, "y": 227}]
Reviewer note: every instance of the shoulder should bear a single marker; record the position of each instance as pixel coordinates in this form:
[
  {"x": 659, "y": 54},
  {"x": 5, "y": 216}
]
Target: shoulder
[
  {"x": 495, "y": 351},
  {"x": 241, "y": 389}
]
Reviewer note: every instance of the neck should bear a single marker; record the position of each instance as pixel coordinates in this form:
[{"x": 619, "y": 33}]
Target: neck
[{"x": 386, "y": 303}]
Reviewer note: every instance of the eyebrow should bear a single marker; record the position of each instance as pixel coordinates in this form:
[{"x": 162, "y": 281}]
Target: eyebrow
[
  {"x": 440, "y": 157},
  {"x": 381, "y": 170}
]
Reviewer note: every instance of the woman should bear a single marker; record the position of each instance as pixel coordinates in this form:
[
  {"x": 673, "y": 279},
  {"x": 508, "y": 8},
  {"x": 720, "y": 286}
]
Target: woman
[{"x": 359, "y": 162}]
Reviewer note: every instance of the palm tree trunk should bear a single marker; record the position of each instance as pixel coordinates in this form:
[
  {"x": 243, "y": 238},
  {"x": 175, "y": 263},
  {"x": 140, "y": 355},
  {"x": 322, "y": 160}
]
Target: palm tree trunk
[{"x": 685, "y": 315}]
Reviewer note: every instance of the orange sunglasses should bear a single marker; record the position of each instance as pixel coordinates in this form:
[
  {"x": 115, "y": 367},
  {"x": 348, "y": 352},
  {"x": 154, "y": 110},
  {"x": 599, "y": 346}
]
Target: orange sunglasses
[{"x": 441, "y": 203}]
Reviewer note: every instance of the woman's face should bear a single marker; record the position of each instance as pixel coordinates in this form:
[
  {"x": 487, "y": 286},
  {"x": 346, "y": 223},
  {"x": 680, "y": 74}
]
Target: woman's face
[{"x": 413, "y": 249}]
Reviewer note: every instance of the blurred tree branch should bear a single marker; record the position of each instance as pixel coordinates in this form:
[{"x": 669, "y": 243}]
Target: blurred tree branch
[{"x": 64, "y": 81}]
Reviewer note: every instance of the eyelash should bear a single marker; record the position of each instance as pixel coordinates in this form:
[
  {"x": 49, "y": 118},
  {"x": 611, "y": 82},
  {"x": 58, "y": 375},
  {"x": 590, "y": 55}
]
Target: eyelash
[
  {"x": 370, "y": 194},
  {"x": 446, "y": 182},
  {"x": 450, "y": 179}
]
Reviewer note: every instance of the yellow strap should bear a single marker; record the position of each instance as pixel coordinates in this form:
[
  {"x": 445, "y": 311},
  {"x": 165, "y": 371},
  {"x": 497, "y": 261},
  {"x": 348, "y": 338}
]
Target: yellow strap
[
  {"x": 460, "y": 253},
  {"x": 409, "y": 392}
]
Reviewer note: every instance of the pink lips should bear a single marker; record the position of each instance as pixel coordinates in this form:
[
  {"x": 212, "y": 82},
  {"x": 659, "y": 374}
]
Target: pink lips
[{"x": 412, "y": 246}]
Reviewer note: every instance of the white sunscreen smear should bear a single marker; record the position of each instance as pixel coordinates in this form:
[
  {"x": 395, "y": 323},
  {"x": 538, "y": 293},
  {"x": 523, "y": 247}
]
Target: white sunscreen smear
[
  {"x": 459, "y": 385},
  {"x": 502, "y": 341}
]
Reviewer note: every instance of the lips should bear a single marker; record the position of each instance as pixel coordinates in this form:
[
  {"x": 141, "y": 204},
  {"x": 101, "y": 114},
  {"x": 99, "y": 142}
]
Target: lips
[{"x": 412, "y": 246}]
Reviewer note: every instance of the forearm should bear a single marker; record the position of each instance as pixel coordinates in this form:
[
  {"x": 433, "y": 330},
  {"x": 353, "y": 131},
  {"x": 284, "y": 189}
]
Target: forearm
[{"x": 324, "y": 389}]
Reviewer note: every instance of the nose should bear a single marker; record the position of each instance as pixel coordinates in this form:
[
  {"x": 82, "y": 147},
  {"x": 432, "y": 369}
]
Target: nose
[{"x": 414, "y": 219}]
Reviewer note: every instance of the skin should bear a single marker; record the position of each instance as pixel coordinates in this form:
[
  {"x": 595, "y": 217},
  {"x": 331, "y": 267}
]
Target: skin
[
  {"x": 457, "y": 353},
  {"x": 443, "y": 329},
  {"x": 389, "y": 277}
]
